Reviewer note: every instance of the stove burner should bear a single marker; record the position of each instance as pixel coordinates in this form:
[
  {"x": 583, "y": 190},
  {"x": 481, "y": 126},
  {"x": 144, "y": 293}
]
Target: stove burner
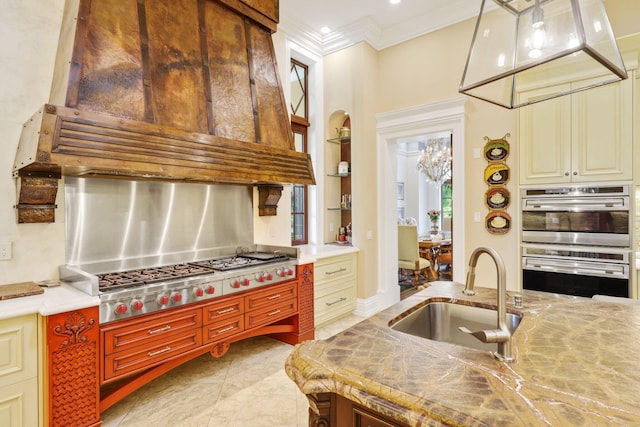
[
  {"x": 241, "y": 260},
  {"x": 145, "y": 276},
  {"x": 228, "y": 263}
]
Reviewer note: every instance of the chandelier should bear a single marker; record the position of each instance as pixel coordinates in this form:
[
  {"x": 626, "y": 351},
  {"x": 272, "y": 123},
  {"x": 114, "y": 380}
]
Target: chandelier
[
  {"x": 525, "y": 44},
  {"x": 435, "y": 160}
]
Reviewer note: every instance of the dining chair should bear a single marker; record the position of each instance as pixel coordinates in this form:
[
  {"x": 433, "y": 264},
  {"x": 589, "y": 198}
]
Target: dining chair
[{"x": 409, "y": 254}]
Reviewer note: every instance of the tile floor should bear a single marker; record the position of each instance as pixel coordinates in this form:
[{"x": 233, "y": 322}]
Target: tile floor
[{"x": 247, "y": 387}]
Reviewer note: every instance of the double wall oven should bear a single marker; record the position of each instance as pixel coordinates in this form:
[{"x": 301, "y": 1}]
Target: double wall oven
[{"x": 577, "y": 240}]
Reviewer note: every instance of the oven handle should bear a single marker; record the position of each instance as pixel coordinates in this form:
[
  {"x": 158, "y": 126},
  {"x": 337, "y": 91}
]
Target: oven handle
[
  {"x": 600, "y": 204},
  {"x": 582, "y": 269}
]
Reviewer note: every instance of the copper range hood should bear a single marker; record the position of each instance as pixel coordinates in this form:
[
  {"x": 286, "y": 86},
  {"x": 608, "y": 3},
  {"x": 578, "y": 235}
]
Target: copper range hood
[{"x": 178, "y": 90}]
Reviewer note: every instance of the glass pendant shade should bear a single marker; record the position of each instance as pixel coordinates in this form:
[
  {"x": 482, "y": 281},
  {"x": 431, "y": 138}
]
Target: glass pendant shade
[{"x": 532, "y": 44}]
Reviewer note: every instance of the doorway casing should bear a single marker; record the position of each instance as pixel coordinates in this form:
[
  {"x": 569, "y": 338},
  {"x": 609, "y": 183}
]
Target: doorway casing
[{"x": 444, "y": 116}]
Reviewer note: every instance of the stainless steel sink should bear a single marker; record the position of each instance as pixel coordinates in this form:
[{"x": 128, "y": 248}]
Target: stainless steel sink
[{"x": 439, "y": 321}]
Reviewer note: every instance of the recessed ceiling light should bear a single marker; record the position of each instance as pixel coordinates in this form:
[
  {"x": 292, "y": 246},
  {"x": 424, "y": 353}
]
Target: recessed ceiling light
[
  {"x": 325, "y": 30},
  {"x": 394, "y": 1}
]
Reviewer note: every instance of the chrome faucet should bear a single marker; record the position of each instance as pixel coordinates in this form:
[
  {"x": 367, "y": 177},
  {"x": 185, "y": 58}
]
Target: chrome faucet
[{"x": 501, "y": 335}]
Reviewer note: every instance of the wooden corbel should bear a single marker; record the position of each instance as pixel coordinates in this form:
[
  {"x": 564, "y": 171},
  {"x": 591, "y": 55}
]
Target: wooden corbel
[
  {"x": 268, "y": 198},
  {"x": 37, "y": 191}
]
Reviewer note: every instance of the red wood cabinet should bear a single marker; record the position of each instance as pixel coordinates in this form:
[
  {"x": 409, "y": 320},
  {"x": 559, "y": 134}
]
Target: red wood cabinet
[
  {"x": 141, "y": 349},
  {"x": 223, "y": 318},
  {"x": 72, "y": 381},
  {"x": 268, "y": 305},
  {"x": 138, "y": 344}
]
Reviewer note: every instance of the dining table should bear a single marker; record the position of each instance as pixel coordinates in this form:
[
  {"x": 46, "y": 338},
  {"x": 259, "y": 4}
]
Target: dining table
[{"x": 430, "y": 250}]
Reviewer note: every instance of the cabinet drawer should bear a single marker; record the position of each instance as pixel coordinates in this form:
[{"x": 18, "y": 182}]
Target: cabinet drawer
[
  {"x": 334, "y": 268},
  {"x": 366, "y": 420},
  {"x": 223, "y": 309},
  {"x": 151, "y": 354},
  {"x": 272, "y": 313},
  {"x": 223, "y": 328},
  {"x": 134, "y": 333},
  {"x": 18, "y": 349},
  {"x": 334, "y": 305},
  {"x": 271, "y": 296}
]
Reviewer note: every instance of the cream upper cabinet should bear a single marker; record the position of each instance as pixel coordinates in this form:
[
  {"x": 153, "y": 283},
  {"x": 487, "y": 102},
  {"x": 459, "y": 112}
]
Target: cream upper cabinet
[{"x": 582, "y": 137}]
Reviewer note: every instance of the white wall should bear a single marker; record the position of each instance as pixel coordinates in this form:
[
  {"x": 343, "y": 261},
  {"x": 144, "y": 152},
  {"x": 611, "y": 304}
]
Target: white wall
[{"x": 29, "y": 33}]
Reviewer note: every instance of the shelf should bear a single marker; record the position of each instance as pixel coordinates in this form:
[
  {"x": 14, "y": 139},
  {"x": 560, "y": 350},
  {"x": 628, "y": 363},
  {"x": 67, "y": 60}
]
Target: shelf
[
  {"x": 341, "y": 140},
  {"x": 338, "y": 209},
  {"x": 337, "y": 175}
]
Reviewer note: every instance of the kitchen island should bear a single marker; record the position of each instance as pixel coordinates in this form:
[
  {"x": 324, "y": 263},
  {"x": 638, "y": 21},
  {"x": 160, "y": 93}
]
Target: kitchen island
[{"x": 576, "y": 364}]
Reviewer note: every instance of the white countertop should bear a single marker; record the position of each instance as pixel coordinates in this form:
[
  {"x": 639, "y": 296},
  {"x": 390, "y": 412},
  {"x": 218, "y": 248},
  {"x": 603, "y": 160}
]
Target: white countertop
[
  {"x": 59, "y": 299},
  {"x": 312, "y": 253}
]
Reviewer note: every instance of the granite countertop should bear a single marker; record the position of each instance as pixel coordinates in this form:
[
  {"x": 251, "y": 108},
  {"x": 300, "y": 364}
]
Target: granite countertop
[
  {"x": 576, "y": 364},
  {"x": 54, "y": 300}
]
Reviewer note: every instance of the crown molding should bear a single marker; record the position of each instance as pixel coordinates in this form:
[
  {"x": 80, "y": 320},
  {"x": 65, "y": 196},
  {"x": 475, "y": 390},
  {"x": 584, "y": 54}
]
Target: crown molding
[{"x": 366, "y": 29}]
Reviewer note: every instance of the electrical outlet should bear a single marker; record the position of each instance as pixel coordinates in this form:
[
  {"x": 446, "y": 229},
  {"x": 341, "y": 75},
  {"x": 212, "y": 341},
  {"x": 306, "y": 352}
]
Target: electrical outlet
[
  {"x": 332, "y": 227},
  {"x": 5, "y": 250}
]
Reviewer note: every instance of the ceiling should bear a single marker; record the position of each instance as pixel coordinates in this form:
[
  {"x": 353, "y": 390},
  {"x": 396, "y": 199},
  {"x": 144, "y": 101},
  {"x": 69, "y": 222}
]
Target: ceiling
[{"x": 378, "y": 22}]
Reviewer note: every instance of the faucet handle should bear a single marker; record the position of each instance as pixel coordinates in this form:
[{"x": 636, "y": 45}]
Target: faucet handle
[{"x": 488, "y": 336}]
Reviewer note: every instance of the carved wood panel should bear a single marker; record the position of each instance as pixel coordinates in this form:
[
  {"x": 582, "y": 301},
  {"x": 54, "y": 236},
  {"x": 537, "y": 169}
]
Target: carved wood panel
[
  {"x": 306, "y": 300},
  {"x": 72, "y": 360}
]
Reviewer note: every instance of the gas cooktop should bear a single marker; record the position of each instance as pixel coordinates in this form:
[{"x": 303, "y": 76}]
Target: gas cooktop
[
  {"x": 112, "y": 281},
  {"x": 139, "y": 291}
]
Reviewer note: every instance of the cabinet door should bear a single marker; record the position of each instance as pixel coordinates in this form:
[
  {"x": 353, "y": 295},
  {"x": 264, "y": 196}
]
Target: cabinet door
[
  {"x": 18, "y": 371},
  {"x": 18, "y": 350},
  {"x": 545, "y": 139},
  {"x": 602, "y": 133},
  {"x": 19, "y": 404}
]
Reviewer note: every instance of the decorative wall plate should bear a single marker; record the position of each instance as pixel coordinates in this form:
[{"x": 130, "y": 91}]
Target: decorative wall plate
[
  {"x": 498, "y": 222},
  {"x": 496, "y": 150},
  {"x": 496, "y": 174},
  {"x": 497, "y": 198}
]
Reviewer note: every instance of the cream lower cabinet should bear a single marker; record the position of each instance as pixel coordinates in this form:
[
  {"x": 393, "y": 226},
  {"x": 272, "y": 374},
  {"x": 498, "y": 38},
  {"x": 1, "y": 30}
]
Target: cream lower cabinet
[
  {"x": 19, "y": 372},
  {"x": 584, "y": 137},
  {"x": 334, "y": 287}
]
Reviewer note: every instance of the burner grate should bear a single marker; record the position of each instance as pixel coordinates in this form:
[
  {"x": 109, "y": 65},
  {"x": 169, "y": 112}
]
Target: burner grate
[{"x": 145, "y": 276}]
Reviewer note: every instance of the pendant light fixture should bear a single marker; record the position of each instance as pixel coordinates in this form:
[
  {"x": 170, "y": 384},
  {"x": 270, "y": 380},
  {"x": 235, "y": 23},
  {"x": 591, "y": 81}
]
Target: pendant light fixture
[
  {"x": 435, "y": 160},
  {"x": 532, "y": 44}
]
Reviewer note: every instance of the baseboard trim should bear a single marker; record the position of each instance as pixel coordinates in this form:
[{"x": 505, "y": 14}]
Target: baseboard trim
[{"x": 367, "y": 307}]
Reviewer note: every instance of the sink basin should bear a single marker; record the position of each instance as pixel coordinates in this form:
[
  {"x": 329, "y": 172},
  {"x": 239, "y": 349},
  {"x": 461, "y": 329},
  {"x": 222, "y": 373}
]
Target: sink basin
[{"x": 439, "y": 321}]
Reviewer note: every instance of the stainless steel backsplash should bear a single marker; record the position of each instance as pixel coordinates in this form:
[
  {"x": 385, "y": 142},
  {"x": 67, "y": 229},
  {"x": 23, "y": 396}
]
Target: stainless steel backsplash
[{"x": 115, "y": 224}]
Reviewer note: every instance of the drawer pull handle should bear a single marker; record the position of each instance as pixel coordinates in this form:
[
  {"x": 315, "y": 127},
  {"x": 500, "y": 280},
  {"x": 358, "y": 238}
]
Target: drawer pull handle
[
  {"x": 157, "y": 331},
  {"x": 227, "y": 329},
  {"x": 226, "y": 310},
  {"x": 276, "y": 296},
  {"x": 336, "y": 302},
  {"x": 155, "y": 353},
  {"x": 340, "y": 270},
  {"x": 273, "y": 313}
]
